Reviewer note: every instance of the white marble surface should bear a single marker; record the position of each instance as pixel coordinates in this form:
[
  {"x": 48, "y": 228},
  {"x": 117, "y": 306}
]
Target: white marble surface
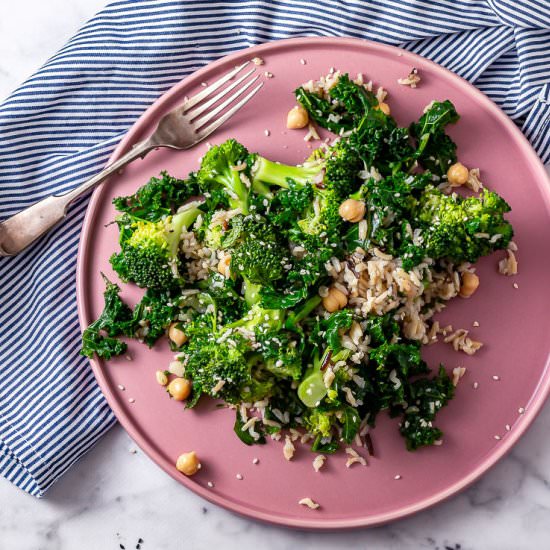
[{"x": 114, "y": 496}]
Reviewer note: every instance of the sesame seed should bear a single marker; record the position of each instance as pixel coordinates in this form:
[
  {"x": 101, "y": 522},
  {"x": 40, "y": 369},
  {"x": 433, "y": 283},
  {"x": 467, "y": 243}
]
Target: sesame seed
[
  {"x": 303, "y": 61},
  {"x": 239, "y": 476},
  {"x": 132, "y": 400},
  {"x": 128, "y": 358},
  {"x": 508, "y": 427},
  {"x": 515, "y": 285},
  {"x": 496, "y": 378},
  {"x": 121, "y": 387},
  {"x": 268, "y": 74},
  {"x": 204, "y": 84},
  {"x": 397, "y": 476},
  {"x": 267, "y": 133},
  {"x": 521, "y": 410},
  {"x": 475, "y": 324},
  {"x": 497, "y": 437},
  {"x": 210, "y": 484},
  {"x": 475, "y": 385},
  {"x": 255, "y": 460}
]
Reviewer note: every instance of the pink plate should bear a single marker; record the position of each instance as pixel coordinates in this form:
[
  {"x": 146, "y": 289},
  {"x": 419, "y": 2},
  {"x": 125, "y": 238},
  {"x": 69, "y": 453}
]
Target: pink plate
[{"x": 513, "y": 322}]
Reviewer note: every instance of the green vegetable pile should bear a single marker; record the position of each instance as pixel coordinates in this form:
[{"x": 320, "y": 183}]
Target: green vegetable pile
[{"x": 259, "y": 332}]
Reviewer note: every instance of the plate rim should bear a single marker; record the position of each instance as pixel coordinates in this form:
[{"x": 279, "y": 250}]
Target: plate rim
[{"x": 537, "y": 398}]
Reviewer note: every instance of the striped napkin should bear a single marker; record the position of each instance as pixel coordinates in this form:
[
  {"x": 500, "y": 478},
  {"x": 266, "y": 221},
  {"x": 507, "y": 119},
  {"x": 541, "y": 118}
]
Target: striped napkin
[{"x": 60, "y": 127}]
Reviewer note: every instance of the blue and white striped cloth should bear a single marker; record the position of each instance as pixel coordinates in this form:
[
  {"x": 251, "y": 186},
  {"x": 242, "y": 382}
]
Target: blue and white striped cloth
[{"x": 60, "y": 127}]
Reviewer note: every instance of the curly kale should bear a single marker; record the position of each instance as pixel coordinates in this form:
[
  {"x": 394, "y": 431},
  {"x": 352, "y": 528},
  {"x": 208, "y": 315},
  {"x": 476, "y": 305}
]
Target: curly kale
[
  {"x": 158, "y": 198},
  {"x": 115, "y": 320},
  {"x": 435, "y": 151}
]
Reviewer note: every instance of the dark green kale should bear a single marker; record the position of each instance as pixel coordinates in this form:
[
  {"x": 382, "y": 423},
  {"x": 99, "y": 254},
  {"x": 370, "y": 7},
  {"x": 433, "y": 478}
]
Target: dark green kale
[
  {"x": 115, "y": 320},
  {"x": 158, "y": 198},
  {"x": 435, "y": 150}
]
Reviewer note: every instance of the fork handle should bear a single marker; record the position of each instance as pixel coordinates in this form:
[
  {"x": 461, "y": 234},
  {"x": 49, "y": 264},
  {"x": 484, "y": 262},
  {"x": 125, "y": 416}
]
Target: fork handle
[{"x": 22, "y": 229}]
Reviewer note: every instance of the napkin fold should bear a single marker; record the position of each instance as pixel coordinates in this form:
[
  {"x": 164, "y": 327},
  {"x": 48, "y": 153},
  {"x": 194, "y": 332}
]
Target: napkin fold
[{"x": 60, "y": 127}]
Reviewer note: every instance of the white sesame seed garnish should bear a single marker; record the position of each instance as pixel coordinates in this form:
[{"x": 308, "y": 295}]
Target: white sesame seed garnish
[
  {"x": 267, "y": 133},
  {"x": 496, "y": 378},
  {"x": 303, "y": 61},
  {"x": 132, "y": 400},
  {"x": 121, "y": 387},
  {"x": 521, "y": 410},
  {"x": 255, "y": 460},
  {"x": 515, "y": 285},
  {"x": 128, "y": 357},
  {"x": 204, "y": 84},
  {"x": 397, "y": 476},
  {"x": 267, "y": 74},
  {"x": 210, "y": 484},
  {"x": 475, "y": 324},
  {"x": 475, "y": 385},
  {"x": 497, "y": 437},
  {"x": 507, "y": 427},
  {"x": 239, "y": 476}
]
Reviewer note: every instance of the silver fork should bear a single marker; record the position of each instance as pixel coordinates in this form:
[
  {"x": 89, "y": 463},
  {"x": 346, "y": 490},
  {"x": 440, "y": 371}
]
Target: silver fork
[{"x": 181, "y": 128}]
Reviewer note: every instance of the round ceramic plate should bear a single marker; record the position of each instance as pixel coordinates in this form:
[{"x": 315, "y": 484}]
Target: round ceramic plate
[{"x": 480, "y": 425}]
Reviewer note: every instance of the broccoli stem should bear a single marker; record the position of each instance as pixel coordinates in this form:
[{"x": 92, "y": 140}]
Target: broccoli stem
[
  {"x": 251, "y": 293},
  {"x": 294, "y": 318},
  {"x": 183, "y": 219},
  {"x": 274, "y": 173}
]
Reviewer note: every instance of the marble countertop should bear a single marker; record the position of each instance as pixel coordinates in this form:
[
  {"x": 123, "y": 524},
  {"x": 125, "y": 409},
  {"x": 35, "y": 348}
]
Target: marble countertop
[{"x": 117, "y": 496}]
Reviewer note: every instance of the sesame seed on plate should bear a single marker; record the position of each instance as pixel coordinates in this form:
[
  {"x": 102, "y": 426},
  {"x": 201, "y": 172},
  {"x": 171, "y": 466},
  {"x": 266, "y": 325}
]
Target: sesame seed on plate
[
  {"x": 303, "y": 61},
  {"x": 515, "y": 285},
  {"x": 521, "y": 410},
  {"x": 204, "y": 84},
  {"x": 239, "y": 476},
  {"x": 475, "y": 385},
  {"x": 267, "y": 74},
  {"x": 496, "y": 378},
  {"x": 121, "y": 387},
  {"x": 267, "y": 133},
  {"x": 255, "y": 460},
  {"x": 497, "y": 437},
  {"x": 397, "y": 476},
  {"x": 132, "y": 400},
  {"x": 475, "y": 324},
  {"x": 210, "y": 484},
  {"x": 507, "y": 427}
]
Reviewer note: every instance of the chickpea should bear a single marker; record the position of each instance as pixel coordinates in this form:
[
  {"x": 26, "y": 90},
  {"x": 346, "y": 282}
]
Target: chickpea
[
  {"x": 352, "y": 210},
  {"x": 162, "y": 379},
  {"x": 334, "y": 300},
  {"x": 457, "y": 174},
  {"x": 223, "y": 266},
  {"x": 188, "y": 463},
  {"x": 470, "y": 282},
  {"x": 297, "y": 118},
  {"x": 179, "y": 389},
  {"x": 384, "y": 107},
  {"x": 177, "y": 335}
]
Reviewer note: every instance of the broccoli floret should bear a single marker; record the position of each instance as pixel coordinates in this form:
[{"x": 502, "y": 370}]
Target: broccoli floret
[
  {"x": 209, "y": 360},
  {"x": 463, "y": 229},
  {"x": 258, "y": 261},
  {"x": 260, "y": 320},
  {"x": 281, "y": 354},
  {"x": 343, "y": 165},
  {"x": 149, "y": 250},
  {"x": 218, "y": 171}
]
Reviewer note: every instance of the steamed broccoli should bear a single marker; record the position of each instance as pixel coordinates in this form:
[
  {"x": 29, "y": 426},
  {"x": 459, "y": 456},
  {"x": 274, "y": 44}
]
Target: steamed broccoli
[
  {"x": 218, "y": 171},
  {"x": 463, "y": 229},
  {"x": 149, "y": 250}
]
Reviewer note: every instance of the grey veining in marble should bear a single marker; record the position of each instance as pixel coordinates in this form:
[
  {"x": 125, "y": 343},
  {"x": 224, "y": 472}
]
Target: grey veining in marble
[{"x": 114, "y": 496}]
